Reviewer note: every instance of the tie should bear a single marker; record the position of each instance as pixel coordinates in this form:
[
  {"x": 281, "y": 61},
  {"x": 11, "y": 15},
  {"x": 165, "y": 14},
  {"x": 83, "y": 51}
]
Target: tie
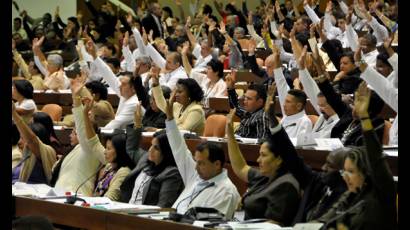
[{"x": 198, "y": 188}]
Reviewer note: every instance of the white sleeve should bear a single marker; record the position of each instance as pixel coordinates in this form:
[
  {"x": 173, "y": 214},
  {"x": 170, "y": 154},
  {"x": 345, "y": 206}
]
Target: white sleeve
[
  {"x": 382, "y": 87},
  {"x": 281, "y": 86},
  {"x": 310, "y": 87},
  {"x": 108, "y": 75},
  {"x": 183, "y": 157},
  {"x": 274, "y": 28},
  {"x": 139, "y": 41},
  {"x": 343, "y": 7},
  {"x": 28, "y": 105},
  {"x": 311, "y": 13},
  {"x": 252, "y": 32},
  {"x": 352, "y": 38},
  {"x": 156, "y": 57},
  {"x": 126, "y": 116},
  {"x": 380, "y": 32},
  {"x": 86, "y": 56},
  {"x": 129, "y": 59},
  {"x": 394, "y": 60},
  {"x": 40, "y": 66},
  {"x": 197, "y": 50},
  {"x": 80, "y": 128}
]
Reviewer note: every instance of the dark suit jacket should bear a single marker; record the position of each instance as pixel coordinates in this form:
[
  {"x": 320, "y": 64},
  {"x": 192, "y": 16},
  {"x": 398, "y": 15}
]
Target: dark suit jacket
[
  {"x": 377, "y": 209},
  {"x": 148, "y": 22},
  {"x": 345, "y": 114},
  {"x": 161, "y": 190}
]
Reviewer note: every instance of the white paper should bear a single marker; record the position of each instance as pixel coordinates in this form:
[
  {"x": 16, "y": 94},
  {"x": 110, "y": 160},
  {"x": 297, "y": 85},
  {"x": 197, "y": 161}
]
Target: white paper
[
  {"x": 244, "y": 140},
  {"x": 264, "y": 225},
  {"x": 24, "y": 189},
  {"x": 328, "y": 143},
  {"x": 308, "y": 226},
  {"x": 391, "y": 152},
  {"x": 147, "y": 134},
  {"x": 304, "y": 139},
  {"x": 156, "y": 216}
]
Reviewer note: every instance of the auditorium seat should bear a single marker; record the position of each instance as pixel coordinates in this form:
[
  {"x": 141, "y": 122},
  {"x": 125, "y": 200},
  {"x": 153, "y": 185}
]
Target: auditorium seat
[
  {"x": 55, "y": 111},
  {"x": 215, "y": 126}
]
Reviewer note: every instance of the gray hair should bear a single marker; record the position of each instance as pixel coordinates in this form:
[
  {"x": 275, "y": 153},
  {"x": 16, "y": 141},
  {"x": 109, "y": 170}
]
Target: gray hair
[
  {"x": 145, "y": 60},
  {"x": 55, "y": 59}
]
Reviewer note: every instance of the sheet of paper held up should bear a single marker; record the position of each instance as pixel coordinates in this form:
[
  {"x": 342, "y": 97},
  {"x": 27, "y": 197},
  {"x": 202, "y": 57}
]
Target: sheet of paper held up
[{"x": 328, "y": 143}]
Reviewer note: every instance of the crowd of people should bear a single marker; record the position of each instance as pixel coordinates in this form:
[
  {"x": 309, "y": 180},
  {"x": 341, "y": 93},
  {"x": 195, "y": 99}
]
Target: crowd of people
[{"x": 165, "y": 68}]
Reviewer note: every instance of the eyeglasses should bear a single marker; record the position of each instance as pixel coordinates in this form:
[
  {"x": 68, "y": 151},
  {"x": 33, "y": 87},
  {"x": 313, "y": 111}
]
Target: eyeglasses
[{"x": 345, "y": 173}]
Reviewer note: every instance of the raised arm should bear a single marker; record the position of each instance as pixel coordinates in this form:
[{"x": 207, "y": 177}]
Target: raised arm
[
  {"x": 104, "y": 69},
  {"x": 126, "y": 52},
  {"x": 139, "y": 41},
  {"x": 156, "y": 90},
  {"x": 20, "y": 61},
  {"x": 185, "y": 61},
  {"x": 39, "y": 57},
  {"x": 183, "y": 157},
  {"x": 33, "y": 142},
  {"x": 191, "y": 37},
  {"x": 134, "y": 137},
  {"x": 232, "y": 96},
  {"x": 310, "y": 12},
  {"x": 280, "y": 79},
  {"x": 383, "y": 87},
  {"x": 351, "y": 35},
  {"x": 380, "y": 173},
  {"x": 238, "y": 162},
  {"x": 309, "y": 85}
]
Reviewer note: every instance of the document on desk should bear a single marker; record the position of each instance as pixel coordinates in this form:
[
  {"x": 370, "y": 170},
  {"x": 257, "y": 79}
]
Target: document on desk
[
  {"x": 24, "y": 189},
  {"x": 264, "y": 225},
  {"x": 328, "y": 143}
]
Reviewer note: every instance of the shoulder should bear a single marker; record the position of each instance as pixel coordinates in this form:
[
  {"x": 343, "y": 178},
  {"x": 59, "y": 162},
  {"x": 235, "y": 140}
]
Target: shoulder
[{"x": 169, "y": 172}]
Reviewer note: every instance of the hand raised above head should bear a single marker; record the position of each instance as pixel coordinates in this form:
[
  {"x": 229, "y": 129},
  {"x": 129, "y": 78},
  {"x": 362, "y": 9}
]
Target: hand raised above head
[
  {"x": 88, "y": 103},
  {"x": 170, "y": 106},
  {"x": 229, "y": 123},
  {"x": 362, "y": 99},
  {"x": 138, "y": 116}
]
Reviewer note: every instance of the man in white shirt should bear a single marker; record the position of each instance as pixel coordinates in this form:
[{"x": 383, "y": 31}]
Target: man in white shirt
[
  {"x": 122, "y": 86},
  {"x": 172, "y": 66},
  {"x": 206, "y": 181},
  {"x": 328, "y": 117},
  {"x": 292, "y": 104}
]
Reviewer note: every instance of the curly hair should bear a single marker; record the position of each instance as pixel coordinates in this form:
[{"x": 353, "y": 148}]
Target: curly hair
[{"x": 193, "y": 89}]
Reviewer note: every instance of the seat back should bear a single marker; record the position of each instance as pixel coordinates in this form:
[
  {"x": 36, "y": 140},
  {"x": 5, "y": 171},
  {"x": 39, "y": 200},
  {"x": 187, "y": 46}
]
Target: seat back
[
  {"x": 55, "y": 111},
  {"x": 387, "y": 126},
  {"x": 215, "y": 126}
]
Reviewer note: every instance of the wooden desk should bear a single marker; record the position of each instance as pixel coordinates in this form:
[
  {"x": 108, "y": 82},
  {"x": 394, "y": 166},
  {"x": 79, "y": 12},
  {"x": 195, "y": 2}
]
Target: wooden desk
[
  {"x": 65, "y": 100},
  {"x": 90, "y": 218}
]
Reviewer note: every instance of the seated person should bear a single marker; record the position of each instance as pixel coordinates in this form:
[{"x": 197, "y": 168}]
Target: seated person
[
  {"x": 153, "y": 118},
  {"x": 370, "y": 202},
  {"x": 206, "y": 181},
  {"x": 122, "y": 86},
  {"x": 155, "y": 180},
  {"x": 38, "y": 156},
  {"x": 348, "y": 79},
  {"x": 45, "y": 119},
  {"x": 328, "y": 117},
  {"x": 22, "y": 93},
  {"x": 253, "y": 120},
  {"x": 348, "y": 127},
  {"x": 118, "y": 164},
  {"x": 102, "y": 112},
  {"x": 52, "y": 68},
  {"x": 273, "y": 192},
  {"x": 292, "y": 103},
  {"x": 188, "y": 109},
  {"x": 212, "y": 83},
  {"x": 81, "y": 163}
]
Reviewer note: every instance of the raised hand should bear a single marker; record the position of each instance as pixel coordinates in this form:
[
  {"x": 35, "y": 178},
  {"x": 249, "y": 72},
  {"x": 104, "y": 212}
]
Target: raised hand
[
  {"x": 302, "y": 59},
  {"x": 90, "y": 47},
  {"x": 154, "y": 74},
  {"x": 185, "y": 48},
  {"x": 358, "y": 54},
  {"x": 271, "y": 94},
  {"x": 361, "y": 100},
  {"x": 144, "y": 36},
  {"x": 329, "y": 7},
  {"x": 150, "y": 36},
  {"x": 37, "y": 42},
  {"x": 349, "y": 16},
  {"x": 76, "y": 86},
  {"x": 231, "y": 79},
  {"x": 170, "y": 106},
  {"x": 229, "y": 123},
  {"x": 130, "y": 19},
  {"x": 88, "y": 103},
  {"x": 138, "y": 116},
  {"x": 126, "y": 39},
  {"x": 178, "y": 2},
  {"x": 13, "y": 44},
  {"x": 250, "y": 18},
  {"x": 222, "y": 28},
  {"x": 251, "y": 46}
]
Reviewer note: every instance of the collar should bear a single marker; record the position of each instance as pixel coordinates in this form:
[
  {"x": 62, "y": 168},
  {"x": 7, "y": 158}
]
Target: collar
[
  {"x": 218, "y": 178},
  {"x": 372, "y": 53},
  {"x": 294, "y": 117}
]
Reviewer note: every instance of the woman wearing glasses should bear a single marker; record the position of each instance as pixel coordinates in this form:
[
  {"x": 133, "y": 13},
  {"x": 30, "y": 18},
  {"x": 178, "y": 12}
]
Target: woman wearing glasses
[{"x": 370, "y": 202}]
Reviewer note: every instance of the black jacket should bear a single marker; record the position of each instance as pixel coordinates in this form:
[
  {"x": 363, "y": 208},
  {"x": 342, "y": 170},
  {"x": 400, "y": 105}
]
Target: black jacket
[
  {"x": 148, "y": 22},
  {"x": 349, "y": 83}
]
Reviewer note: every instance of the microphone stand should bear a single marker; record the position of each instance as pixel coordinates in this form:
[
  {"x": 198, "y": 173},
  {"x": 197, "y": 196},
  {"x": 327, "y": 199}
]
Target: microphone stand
[{"x": 73, "y": 199}]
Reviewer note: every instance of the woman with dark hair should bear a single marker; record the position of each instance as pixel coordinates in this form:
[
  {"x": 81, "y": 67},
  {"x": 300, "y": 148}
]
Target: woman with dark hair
[
  {"x": 102, "y": 112},
  {"x": 155, "y": 180},
  {"x": 273, "y": 192},
  {"x": 188, "y": 110},
  {"x": 348, "y": 79},
  {"x": 22, "y": 93},
  {"x": 117, "y": 162},
  {"x": 38, "y": 156},
  {"x": 45, "y": 119},
  {"x": 212, "y": 83},
  {"x": 370, "y": 202}
]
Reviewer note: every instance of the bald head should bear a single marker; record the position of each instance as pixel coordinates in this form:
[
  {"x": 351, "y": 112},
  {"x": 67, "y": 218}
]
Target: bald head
[{"x": 269, "y": 63}]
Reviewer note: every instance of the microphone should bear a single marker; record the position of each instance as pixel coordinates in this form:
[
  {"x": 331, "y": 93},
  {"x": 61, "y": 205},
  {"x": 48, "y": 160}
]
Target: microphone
[
  {"x": 73, "y": 199},
  {"x": 358, "y": 205}
]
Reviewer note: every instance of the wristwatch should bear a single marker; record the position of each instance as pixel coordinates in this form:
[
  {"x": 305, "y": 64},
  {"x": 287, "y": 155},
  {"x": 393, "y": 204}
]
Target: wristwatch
[{"x": 359, "y": 63}]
